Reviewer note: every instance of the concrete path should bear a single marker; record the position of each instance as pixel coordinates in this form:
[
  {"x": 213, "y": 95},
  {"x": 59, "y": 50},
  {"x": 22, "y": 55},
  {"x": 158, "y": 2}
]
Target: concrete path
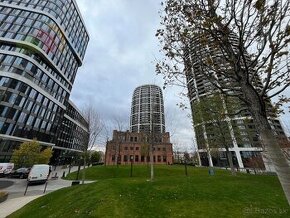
[
  {"x": 16, "y": 198},
  {"x": 11, "y": 205}
]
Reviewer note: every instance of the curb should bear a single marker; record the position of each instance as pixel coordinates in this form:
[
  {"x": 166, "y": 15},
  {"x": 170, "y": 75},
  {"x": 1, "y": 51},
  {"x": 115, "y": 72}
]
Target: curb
[{"x": 3, "y": 197}]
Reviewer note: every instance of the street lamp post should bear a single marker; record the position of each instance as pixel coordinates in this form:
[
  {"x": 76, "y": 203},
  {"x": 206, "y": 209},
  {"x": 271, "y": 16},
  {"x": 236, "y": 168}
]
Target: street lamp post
[{"x": 131, "y": 159}]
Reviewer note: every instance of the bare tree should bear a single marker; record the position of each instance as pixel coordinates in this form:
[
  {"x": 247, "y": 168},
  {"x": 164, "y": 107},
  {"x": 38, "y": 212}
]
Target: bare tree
[
  {"x": 120, "y": 125},
  {"x": 241, "y": 47},
  {"x": 95, "y": 127},
  {"x": 212, "y": 114}
]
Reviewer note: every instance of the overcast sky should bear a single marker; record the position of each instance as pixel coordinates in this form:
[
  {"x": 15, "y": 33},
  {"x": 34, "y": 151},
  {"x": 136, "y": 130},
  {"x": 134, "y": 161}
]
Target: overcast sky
[{"x": 120, "y": 56}]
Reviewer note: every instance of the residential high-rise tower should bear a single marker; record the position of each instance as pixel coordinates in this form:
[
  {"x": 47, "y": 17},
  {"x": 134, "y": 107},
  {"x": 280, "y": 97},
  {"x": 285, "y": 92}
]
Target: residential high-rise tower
[
  {"x": 147, "y": 110},
  {"x": 237, "y": 131},
  {"x": 147, "y": 140}
]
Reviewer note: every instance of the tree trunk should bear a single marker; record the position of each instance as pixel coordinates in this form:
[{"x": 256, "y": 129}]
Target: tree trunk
[
  {"x": 185, "y": 168},
  {"x": 117, "y": 154},
  {"x": 152, "y": 165},
  {"x": 210, "y": 163},
  {"x": 84, "y": 171},
  {"x": 78, "y": 172},
  {"x": 270, "y": 144},
  {"x": 279, "y": 161},
  {"x": 230, "y": 160}
]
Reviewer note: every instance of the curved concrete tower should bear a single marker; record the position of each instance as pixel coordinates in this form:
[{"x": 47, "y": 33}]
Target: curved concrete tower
[{"x": 147, "y": 110}]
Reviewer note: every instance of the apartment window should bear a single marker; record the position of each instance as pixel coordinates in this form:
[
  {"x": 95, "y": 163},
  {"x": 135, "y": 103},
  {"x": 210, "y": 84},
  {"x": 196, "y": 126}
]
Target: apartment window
[{"x": 159, "y": 158}]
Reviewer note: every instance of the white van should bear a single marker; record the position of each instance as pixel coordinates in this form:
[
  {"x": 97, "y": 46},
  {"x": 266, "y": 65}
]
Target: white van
[
  {"x": 38, "y": 174},
  {"x": 6, "y": 168}
]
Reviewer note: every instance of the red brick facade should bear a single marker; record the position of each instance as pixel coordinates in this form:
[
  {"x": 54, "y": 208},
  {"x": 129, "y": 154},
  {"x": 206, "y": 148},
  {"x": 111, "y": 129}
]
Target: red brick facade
[{"x": 131, "y": 146}]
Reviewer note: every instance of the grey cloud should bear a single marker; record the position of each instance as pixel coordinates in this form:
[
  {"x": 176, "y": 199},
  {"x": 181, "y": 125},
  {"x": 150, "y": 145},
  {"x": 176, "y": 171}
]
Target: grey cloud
[{"x": 120, "y": 57}]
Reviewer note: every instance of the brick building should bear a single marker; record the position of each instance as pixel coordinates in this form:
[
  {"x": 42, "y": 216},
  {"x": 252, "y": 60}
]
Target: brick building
[{"x": 133, "y": 146}]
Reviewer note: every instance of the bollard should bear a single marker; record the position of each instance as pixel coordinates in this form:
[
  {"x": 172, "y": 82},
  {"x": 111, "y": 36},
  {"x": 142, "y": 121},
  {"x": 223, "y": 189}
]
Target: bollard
[
  {"x": 55, "y": 176},
  {"x": 211, "y": 172},
  {"x": 63, "y": 174},
  {"x": 45, "y": 187},
  {"x": 26, "y": 188}
]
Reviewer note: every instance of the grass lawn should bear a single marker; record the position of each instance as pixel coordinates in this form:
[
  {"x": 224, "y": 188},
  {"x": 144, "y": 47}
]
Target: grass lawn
[{"x": 172, "y": 194}]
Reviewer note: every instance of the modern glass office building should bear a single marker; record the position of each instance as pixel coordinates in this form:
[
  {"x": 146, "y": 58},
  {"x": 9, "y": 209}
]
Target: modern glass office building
[
  {"x": 42, "y": 44},
  {"x": 147, "y": 110}
]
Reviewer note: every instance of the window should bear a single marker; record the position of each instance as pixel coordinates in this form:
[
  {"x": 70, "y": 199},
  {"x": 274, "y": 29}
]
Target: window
[
  {"x": 14, "y": 84},
  {"x": 35, "y": 108},
  {"x": 11, "y": 113},
  {"x": 12, "y": 98},
  {"x": 37, "y": 122},
  {"x": 32, "y": 94},
  {"x": 22, "y": 117},
  {"x": 28, "y": 105},
  {"x": 159, "y": 158},
  {"x": 30, "y": 120},
  {"x": 3, "y": 110},
  {"x": 23, "y": 87},
  {"x": 6, "y": 128}
]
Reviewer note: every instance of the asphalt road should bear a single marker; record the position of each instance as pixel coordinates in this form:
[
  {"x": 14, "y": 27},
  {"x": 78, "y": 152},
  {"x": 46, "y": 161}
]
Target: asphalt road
[
  {"x": 16, "y": 187},
  {"x": 5, "y": 184}
]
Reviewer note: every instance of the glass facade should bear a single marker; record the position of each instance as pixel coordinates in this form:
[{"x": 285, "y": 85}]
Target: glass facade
[
  {"x": 73, "y": 129},
  {"x": 42, "y": 44}
]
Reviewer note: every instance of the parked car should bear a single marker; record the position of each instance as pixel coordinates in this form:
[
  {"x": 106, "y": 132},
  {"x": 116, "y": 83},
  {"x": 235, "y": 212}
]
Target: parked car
[
  {"x": 38, "y": 174},
  {"x": 21, "y": 173},
  {"x": 6, "y": 168}
]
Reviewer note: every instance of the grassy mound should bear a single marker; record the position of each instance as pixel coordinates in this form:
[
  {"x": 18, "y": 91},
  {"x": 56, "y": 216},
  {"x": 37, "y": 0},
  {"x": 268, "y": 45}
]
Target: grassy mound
[{"x": 172, "y": 194}]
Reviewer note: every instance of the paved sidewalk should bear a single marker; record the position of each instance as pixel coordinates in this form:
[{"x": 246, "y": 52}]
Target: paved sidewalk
[
  {"x": 16, "y": 198},
  {"x": 9, "y": 206}
]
